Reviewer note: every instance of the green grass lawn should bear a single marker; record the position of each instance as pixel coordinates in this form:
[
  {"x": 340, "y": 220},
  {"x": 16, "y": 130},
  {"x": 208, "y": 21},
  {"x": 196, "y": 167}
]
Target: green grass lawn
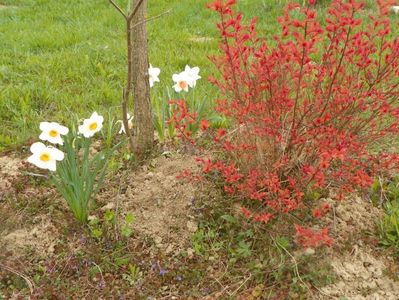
[
  {"x": 63, "y": 59},
  {"x": 60, "y": 59}
]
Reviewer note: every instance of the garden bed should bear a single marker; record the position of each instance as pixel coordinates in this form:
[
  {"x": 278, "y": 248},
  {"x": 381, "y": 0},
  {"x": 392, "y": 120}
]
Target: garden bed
[{"x": 44, "y": 251}]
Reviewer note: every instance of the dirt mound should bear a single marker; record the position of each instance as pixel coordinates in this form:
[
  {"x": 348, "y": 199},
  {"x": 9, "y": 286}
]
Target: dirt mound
[
  {"x": 361, "y": 275},
  {"x": 18, "y": 231},
  {"x": 40, "y": 238},
  {"x": 159, "y": 201},
  {"x": 352, "y": 217},
  {"x": 361, "y": 272},
  {"x": 9, "y": 170}
]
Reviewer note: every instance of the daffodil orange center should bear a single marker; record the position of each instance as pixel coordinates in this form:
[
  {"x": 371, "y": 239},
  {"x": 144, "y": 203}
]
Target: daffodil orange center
[
  {"x": 93, "y": 126},
  {"x": 53, "y": 133},
  {"x": 45, "y": 157},
  {"x": 183, "y": 85}
]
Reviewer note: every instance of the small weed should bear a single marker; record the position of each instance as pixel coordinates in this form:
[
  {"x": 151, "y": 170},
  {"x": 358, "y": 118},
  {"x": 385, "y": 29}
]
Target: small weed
[
  {"x": 107, "y": 227},
  {"x": 386, "y": 192},
  {"x": 134, "y": 274}
]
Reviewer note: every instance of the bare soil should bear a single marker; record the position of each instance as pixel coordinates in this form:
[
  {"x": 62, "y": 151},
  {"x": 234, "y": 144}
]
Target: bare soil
[
  {"x": 362, "y": 271},
  {"x": 20, "y": 231},
  {"x": 161, "y": 203},
  {"x": 362, "y": 274},
  {"x": 9, "y": 170}
]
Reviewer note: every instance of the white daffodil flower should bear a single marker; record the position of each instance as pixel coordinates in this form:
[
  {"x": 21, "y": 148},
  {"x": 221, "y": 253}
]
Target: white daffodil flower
[
  {"x": 153, "y": 74},
  {"x": 181, "y": 81},
  {"x": 45, "y": 157},
  {"x": 395, "y": 9},
  {"x": 129, "y": 123},
  {"x": 91, "y": 126},
  {"x": 52, "y": 131},
  {"x": 192, "y": 75}
]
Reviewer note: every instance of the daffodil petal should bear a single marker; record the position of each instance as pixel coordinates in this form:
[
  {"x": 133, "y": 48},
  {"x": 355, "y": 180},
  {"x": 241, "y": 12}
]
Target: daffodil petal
[
  {"x": 57, "y": 154},
  {"x": 63, "y": 130},
  {"x": 44, "y": 126},
  {"x": 37, "y": 147}
]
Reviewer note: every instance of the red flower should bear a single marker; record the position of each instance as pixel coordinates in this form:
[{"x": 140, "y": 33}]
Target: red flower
[
  {"x": 219, "y": 134},
  {"x": 265, "y": 217},
  {"x": 247, "y": 213},
  {"x": 204, "y": 125},
  {"x": 321, "y": 211},
  {"x": 312, "y": 238}
]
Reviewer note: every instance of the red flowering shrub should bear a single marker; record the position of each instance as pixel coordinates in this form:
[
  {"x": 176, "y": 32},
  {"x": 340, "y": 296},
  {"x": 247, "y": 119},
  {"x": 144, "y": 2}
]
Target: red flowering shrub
[{"x": 309, "y": 111}]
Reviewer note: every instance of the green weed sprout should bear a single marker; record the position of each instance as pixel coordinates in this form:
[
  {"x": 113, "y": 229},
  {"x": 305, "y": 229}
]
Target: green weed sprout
[
  {"x": 163, "y": 111},
  {"x": 389, "y": 225}
]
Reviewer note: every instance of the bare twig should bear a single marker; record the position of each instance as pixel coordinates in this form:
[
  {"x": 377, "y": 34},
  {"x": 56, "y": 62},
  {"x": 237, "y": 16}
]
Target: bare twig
[
  {"x": 65, "y": 266},
  {"x": 241, "y": 285},
  {"x": 296, "y": 270},
  {"x": 118, "y": 8},
  {"x": 27, "y": 280},
  {"x": 101, "y": 272},
  {"x": 34, "y": 174},
  {"x": 152, "y": 18},
  {"x": 134, "y": 11}
]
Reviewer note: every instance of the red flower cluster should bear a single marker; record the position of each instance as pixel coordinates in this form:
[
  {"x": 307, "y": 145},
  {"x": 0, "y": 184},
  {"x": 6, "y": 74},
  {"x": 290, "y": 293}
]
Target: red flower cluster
[
  {"x": 321, "y": 211},
  {"x": 309, "y": 238},
  {"x": 310, "y": 111}
]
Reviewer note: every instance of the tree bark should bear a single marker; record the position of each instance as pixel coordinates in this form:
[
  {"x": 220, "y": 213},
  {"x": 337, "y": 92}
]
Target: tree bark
[{"x": 143, "y": 129}]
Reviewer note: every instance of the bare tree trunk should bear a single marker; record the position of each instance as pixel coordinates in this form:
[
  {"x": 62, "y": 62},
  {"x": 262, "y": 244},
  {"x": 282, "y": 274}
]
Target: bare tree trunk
[
  {"x": 143, "y": 130},
  {"x": 141, "y": 141}
]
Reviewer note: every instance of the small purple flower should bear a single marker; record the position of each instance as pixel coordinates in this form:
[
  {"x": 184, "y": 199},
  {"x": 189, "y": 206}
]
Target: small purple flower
[
  {"x": 82, "y": 240},
  {"x": 179, "y": 278},
  {"x": 101, "y": 284},
  {"x": 162, "y": 272}
]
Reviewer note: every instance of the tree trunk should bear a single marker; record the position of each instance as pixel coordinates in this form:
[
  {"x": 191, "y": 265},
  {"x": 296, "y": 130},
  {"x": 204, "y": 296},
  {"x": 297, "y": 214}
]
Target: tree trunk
[{"x": 143, "y": 130}]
